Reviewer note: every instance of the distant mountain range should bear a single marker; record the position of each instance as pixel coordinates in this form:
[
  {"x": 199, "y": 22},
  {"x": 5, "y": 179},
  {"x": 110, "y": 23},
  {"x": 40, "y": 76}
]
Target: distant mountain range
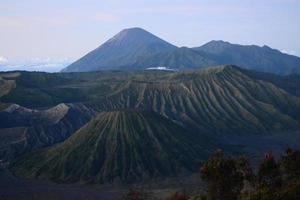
[{"x": 136, "y": 49}]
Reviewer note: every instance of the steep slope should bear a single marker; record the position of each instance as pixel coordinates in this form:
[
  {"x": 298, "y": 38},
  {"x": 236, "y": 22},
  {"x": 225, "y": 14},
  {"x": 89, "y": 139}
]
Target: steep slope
[
  {"x": 159, "y": 124},
  {"x": 136, "y": 48},
  {"x": 23, "y": 130},
  {"x": 181, "y": 58},
  {"x": 289, "y": 83},
  {"x": 6, "y": 85},
  {"x": 119, "y": 146},
  {"x": 218, "y": 100},
  {"x": 252, "y": 57},
  {"x": 122, "y": 50}
]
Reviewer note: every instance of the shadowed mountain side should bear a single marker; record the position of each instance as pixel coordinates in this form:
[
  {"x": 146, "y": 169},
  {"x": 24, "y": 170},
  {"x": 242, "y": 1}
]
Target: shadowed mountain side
[
  {"x": 120, "y": 146},
  {"x": 23, "y": 130}
]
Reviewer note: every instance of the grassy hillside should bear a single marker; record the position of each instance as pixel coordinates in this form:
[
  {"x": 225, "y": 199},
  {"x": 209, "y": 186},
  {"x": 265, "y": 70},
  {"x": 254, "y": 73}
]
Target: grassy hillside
[
  {"x": 221, "y": 99},
  {"x": 218, "y": 100},
  {"x": 154, "y": 124},
  {"x": 23, "y": 130}
]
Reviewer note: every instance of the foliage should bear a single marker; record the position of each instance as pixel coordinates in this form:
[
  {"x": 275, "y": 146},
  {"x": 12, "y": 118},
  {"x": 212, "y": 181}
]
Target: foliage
[
  {"x": 136, "y": 194},
  {"x": 269, "y": 175},
  {"x": 290, "y": 163},
  {"x": 178, "y": 196},
  {"x": 278, "y": 179},
  {"x": 225, "y": 176}
]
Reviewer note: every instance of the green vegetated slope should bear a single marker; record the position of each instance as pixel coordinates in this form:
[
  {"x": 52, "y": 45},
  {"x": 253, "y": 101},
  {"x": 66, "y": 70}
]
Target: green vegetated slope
[
  {"x": 120, "y": 145},
  {"x": 155, "y": 124},
  {"x": 23, "y": 130},
  {"x": 39, "y": 89},
  {"x": 6, "y": 85},
  {"x": 219, "y": 100}
]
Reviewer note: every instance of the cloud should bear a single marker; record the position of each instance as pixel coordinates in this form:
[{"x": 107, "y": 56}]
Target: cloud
[
  {"x": 105, "y": 17},
  {"x": 201, "y": 9},
  {"x": 36, "y": 64},
  {"x": 20, "y": 22},
  {"x": 3, "y": 59},
  {"x": 11, "y": 22},
  {"x": 186, "y": 9},
  {"x": 290, "y": 52}
]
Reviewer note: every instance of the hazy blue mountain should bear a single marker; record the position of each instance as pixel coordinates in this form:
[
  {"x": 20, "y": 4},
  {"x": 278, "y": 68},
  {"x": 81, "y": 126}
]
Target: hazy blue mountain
[
  {"x": 136, "y": 48},
  {"x": 252, "y": 57},
  {"x": 123, "y": 49}
]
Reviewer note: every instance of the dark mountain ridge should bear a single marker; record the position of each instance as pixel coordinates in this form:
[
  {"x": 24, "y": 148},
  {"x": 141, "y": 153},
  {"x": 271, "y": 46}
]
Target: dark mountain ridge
[{"x": 264, "y": 59}]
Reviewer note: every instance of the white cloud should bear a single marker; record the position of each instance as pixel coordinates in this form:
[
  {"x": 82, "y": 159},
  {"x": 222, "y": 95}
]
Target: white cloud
[
  {"x": 105, "y": 17},
  {"x": 290, "y": 52},
  {"x": 36, "y": 64},
  {"x": 3, "y": 59}
]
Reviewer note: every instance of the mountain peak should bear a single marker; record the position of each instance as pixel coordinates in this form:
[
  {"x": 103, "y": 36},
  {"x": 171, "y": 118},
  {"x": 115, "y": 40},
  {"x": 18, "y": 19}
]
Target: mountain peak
[
  {"x": 121, "y": 50},
  {"x": 217, "y": 43},
  {"x": 135, "y": 35},
  {"x": 131, "y": 32},
  {"x": 134, "y": 29}
]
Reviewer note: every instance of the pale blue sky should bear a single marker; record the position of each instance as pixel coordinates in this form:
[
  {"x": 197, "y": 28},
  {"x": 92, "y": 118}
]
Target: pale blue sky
[{"x": 60, "y": 29}]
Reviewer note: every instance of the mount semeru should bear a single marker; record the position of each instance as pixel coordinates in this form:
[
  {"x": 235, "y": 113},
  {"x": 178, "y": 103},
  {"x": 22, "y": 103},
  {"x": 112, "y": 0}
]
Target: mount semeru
[
  {"x": 137, "y": 49},
  {"x": 122, "y": 50}
]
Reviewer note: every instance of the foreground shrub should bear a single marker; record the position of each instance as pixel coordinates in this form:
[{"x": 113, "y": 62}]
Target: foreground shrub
[
  {"x": 137, "y": 194},
  {"x": 225, "y": 176},
  {"x": 178, "y": 196}
]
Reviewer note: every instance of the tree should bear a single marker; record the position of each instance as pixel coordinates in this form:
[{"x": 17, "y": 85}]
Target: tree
[
  {"x": 290, "y": 164},
  {"x": 269, "y": 179},
  {"x": 136, "y": 194},
  {"x": 269, "y": 175},
  {"x": 225, "y": 176},
  {"x": 178, "y": 196}
]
